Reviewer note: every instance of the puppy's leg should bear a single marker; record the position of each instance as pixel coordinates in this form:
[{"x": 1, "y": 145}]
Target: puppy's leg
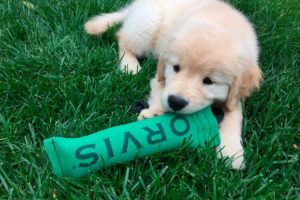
[
  {"x": 138, "y": 35},
  {"x": 128, "y": 61},
  {"x": 230, "y": 132},
  {"x": 155, "y": 107},
  {"x": 99, "y": 24}
]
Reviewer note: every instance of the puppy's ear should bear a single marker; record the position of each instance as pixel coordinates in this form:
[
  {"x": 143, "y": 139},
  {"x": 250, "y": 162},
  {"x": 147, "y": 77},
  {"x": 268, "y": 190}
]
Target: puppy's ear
[
  {"x": 160, "y": 70},
  {"x": 243, "y": 85}
]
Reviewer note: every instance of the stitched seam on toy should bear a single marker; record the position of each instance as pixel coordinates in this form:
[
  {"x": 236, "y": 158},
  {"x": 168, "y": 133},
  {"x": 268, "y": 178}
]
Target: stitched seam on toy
[
  {"x": 202, "y": 132},
  {"x": 61, "y": 169},
  {"x": 204, "y": 128},
  {"x": 210, "y": 119}
]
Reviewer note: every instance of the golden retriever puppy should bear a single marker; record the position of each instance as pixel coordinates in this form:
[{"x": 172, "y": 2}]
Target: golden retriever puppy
[{"x": 207, "y": 55}]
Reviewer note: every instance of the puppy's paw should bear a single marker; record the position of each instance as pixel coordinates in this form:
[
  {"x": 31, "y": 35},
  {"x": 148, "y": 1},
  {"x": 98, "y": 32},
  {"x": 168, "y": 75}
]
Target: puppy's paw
[
  {"x": 149, "y": 113},
  {"x": 90, "y": 27},
  {"x": 130, "y": 65},
  {"x": 238, "y": 163},
  {"x": 236, "y": 157},
  {"x": 95, "y": 26}
]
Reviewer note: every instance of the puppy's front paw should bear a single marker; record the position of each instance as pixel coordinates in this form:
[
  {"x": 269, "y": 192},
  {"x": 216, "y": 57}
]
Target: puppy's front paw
[
  {"x": 236, "y": 157},
  {"x": 130, "y": 65},
  {"x": 149, "y": 113},
  {"x": 238, "y": 163}
]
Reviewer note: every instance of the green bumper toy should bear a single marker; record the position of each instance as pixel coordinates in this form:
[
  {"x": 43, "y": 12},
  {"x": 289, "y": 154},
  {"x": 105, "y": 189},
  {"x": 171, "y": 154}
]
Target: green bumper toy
[{"x": 76, "y": 157}]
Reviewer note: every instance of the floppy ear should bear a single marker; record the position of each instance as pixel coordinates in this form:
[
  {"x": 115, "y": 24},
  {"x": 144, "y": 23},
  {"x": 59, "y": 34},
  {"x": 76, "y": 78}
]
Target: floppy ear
[
  {"x": 160, "y": 70},
  {"x": 243, "y": 85}
]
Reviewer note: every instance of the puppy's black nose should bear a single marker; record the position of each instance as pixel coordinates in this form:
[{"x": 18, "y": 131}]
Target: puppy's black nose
[{"x": 176, "y": 103}]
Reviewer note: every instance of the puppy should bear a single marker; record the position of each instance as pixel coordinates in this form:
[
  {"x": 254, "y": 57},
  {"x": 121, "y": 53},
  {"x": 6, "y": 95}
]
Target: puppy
[{"x": 207, "y": 53}]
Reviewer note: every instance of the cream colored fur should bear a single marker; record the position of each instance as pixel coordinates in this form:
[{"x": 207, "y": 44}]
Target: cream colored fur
[{"x": 206, "y": 39}]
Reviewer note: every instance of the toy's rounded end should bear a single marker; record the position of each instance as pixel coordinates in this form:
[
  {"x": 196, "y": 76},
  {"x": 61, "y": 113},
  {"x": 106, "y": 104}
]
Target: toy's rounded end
[{"x": 50, "y": 148}]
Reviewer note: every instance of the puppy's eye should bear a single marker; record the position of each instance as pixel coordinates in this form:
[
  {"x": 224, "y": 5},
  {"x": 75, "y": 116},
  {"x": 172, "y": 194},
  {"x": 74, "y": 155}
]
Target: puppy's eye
[
  {"x": 176, "y": 68},
  {"x": 207, "y": 81}
]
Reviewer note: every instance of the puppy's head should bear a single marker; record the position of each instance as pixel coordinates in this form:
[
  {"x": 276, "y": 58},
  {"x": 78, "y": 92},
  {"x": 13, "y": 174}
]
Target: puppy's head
[{"x": 200, "y": 67}]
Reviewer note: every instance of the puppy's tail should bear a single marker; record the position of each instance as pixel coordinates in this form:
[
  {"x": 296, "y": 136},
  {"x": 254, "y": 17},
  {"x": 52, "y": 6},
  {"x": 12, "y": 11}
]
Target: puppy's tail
[{"x": 99, "y": 24}]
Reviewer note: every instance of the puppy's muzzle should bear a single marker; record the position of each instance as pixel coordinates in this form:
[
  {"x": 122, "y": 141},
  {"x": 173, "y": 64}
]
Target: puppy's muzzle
[{"x": 177, "y": 103}]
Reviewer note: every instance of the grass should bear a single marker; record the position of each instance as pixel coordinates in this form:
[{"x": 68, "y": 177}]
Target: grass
[{"x": 56, "y": 80}]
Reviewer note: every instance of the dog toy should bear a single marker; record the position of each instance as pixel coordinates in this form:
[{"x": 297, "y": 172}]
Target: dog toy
[{"x": 76, "y": 157}]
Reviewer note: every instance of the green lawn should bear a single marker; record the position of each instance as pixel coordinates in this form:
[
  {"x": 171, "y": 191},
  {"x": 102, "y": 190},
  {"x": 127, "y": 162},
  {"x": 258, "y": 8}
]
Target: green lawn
[{"x": 56, "y": 80}]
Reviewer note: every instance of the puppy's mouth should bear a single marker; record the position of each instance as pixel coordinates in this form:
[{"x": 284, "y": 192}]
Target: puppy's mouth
[
  {"x": 217, "y": 112},
  {"x": 188, "y": 109}
]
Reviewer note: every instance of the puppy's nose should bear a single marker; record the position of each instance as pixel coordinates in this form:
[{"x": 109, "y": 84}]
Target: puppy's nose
[{"x": 176, "y": 103}]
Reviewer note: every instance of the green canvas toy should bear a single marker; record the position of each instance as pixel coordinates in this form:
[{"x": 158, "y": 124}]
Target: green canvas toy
[{"x": 76, "y": 157}]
